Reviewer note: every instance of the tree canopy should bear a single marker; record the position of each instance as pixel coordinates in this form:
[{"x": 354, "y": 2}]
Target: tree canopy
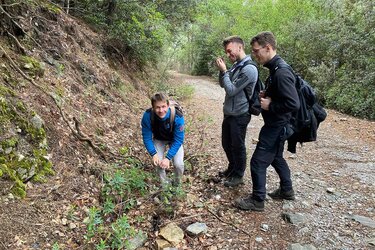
[{"x": 330, "y": 43}]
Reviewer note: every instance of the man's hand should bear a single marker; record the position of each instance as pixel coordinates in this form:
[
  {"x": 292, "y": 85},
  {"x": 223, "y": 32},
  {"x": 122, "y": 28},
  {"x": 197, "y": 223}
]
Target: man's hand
[
  {"x": 164, "y": 163},
  {"x": 265, "y": 103},
  {"x": 221, "y": 64},
  {"x": 156, "y": 160}
]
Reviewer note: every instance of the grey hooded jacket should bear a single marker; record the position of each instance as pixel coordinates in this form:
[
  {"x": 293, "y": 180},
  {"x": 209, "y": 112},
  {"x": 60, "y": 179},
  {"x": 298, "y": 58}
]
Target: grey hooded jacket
[{"x": 234, "y": 81}]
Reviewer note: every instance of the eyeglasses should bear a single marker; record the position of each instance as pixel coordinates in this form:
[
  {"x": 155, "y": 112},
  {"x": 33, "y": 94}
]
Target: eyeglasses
[{"x": 255, "y": 51}]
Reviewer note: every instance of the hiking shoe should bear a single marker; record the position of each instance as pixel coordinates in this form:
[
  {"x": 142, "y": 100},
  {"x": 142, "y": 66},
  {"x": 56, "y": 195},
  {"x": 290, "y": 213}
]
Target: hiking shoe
[
  {"x": 248, "y": 203},
  {"x": 225, "y": 174},
  {"x": 233, "y": 181},
  {"x": 278, "y": 195}
]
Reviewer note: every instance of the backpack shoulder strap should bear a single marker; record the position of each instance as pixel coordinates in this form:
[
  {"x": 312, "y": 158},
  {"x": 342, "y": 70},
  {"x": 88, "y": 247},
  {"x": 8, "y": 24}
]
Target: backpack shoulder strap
[
  {"x": 248, "y": 62},
  {"x": 258, "y": 85},
  {"x": 251, "y": 62},
  {"x": 172, "y": 116},
  {"x": 152, "y": 116},
  {"x": 282, "y": 65}
]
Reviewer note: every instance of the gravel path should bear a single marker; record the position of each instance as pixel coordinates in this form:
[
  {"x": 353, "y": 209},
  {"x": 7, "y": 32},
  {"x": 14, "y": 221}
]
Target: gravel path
[{"x": 334, "y": 178}]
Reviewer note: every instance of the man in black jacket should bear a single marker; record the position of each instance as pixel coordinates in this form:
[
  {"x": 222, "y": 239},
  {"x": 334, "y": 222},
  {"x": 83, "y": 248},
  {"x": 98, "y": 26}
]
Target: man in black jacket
[{"x": 278, "y": 102}]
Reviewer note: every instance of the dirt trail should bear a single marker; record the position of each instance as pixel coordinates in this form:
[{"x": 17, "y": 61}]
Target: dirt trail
[{"x": 334, "y": 178}]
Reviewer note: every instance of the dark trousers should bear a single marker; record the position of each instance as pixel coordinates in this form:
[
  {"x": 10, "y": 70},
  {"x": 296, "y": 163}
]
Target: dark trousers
[
  {"x": 233, "y": 142},
  {"x": 269, "y": 151}
]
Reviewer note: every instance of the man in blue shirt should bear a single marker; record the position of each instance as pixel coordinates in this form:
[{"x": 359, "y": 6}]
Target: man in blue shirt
[{"x": 160, "y": 131}]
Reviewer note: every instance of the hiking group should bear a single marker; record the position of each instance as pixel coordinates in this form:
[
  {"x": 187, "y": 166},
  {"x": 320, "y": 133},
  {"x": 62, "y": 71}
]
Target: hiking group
[{"x": 279, "y": 103}]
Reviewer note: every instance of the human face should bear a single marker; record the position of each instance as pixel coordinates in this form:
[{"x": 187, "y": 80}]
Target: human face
[
  {"x": 160, "y": 108},
  {"x": 261, "y": 53},
  {"x": 233, "y": 51}
]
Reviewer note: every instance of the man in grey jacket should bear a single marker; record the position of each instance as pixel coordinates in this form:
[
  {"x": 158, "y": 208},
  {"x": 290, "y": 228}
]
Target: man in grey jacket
[{"x": 239, "y": 78}]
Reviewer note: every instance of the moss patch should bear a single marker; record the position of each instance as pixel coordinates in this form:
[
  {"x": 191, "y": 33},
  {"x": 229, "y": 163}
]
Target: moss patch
[
  {"x": 23, "y": 146},
  {"x": 33, "y": 67}
]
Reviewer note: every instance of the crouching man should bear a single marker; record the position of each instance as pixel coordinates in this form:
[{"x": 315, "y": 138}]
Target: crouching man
[{"x": 162, "y": 128}]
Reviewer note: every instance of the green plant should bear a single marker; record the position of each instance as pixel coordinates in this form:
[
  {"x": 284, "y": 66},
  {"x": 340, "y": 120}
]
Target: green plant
[
  {"x": 121, "y": 231},
  {"x": 55, "y": 246},
  {"x": 102, "y": 245},
  {"x": 59, "y": 69},
  {"x": 71, "y": 211},
  {"x": 134, "y": 162},
  {"x": 93, "y": 221},
  {"x": 124, "y": 184},
  {"x": 184, "y": 92},
  {"x": 108, "y": 206},
  {"x": 33, "y": 66},
  {"x": 99, "y": 131},
  {"x": 124, "y": 151},
  {"x": 169, "y": 195},
  {"x": 140, "y": 219}
]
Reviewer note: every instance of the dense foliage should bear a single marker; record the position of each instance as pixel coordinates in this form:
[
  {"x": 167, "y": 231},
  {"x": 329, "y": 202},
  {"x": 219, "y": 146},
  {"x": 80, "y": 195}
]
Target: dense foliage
[
  {"x": 330, "y": 43},
  {"x": 139, "y": 29}
]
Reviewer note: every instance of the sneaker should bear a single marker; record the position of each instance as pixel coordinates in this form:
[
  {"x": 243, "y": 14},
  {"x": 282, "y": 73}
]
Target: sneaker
[
  {"x": 225, "y": 174},
  {"x": 233, "y": 181},
  {"x": 278, "y": 195},
  {"x": 248, "y": 203}
]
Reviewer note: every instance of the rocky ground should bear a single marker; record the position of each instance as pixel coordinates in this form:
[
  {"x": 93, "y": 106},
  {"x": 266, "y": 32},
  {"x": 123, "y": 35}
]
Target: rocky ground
[{"x": 334, "y": 178}]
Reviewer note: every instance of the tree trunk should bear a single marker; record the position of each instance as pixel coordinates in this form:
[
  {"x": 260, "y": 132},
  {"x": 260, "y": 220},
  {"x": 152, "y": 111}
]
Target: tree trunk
[{"x": 111, "y": 8}]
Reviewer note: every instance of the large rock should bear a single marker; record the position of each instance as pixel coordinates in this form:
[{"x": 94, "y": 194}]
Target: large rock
[
  {"x": 296, "y": 218},
  {"x": 364, "y": 220},
  {"x": 172, "y": 233},
  {"x": 163, "y": 244},
  {"x": 37, "y": 122},
  {"x": 137, "y": 241},
  {"x": 196, "y": 229}
]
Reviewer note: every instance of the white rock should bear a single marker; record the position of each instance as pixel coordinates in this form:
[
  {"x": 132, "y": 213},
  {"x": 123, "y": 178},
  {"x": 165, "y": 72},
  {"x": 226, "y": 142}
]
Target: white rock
[{"x": 64, "y": 221}]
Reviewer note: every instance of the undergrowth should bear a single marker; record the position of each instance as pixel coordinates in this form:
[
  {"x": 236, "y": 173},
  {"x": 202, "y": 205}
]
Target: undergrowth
[{"x": 108, "y": 225}]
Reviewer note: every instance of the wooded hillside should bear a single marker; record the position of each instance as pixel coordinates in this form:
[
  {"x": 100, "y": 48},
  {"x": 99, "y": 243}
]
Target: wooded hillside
[{"x": 76, "y": 76}]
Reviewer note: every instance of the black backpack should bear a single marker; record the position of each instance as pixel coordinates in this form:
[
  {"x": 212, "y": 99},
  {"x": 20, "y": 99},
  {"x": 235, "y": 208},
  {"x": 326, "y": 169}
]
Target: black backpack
[
  {"x": 306, "y": 119},
  {"x": 254, "y": 102}
]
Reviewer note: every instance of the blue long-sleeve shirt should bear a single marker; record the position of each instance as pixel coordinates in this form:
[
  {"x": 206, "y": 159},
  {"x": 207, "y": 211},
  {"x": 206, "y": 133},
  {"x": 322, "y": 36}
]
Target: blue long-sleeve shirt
[{"x": 175, "y": 138}]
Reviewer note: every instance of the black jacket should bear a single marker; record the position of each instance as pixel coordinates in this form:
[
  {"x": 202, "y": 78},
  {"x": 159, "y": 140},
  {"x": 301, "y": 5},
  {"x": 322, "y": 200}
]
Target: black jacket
[{"x": 280, "y": 87}]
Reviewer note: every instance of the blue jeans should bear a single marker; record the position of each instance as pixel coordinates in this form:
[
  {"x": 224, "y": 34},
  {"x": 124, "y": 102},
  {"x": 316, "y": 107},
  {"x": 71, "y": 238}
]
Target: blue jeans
[
  {"x": 233, "y": 142},
  {"x": 269, "y": 151}
]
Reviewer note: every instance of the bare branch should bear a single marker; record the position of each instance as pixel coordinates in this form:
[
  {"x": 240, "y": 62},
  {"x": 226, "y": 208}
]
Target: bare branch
[
  {"x": 228, "y": 223},
  {"x": 20, "y": 47}
]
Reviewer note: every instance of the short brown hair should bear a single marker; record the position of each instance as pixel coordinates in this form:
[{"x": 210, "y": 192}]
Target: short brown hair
[
  {"x": 159, "y": 97},
  {"x": 233, "y": 39},
  {"x": 264, "y": 38}
]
